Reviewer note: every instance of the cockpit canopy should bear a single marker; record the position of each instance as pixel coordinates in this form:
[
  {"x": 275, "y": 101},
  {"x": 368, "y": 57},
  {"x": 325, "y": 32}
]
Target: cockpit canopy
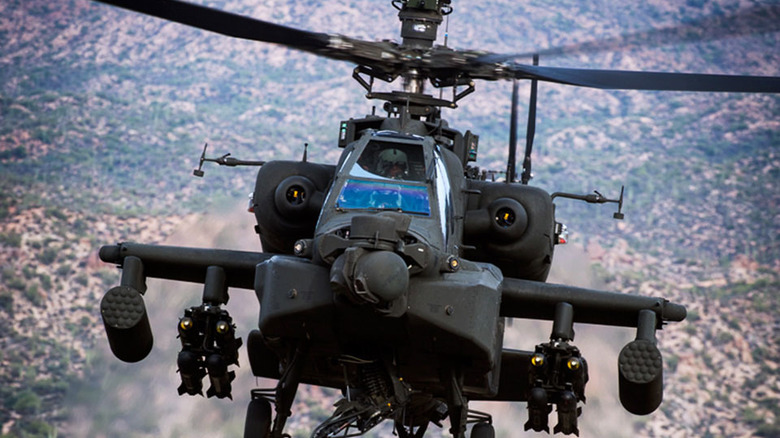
[
  {"x": 398, "y": 161},
  {"x": 387, "y": 176},
  {"x": 390, "y": 171}
]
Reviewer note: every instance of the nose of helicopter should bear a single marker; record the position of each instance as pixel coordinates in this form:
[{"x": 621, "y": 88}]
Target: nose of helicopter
[{"x": 381, "y": 273}]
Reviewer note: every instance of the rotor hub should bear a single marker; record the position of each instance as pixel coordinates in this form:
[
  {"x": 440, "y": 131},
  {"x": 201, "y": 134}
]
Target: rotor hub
[{"x": 420, "y": 20}]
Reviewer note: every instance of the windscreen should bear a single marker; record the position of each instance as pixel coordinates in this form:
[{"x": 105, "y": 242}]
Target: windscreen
[{"x": 384, "y": 195}]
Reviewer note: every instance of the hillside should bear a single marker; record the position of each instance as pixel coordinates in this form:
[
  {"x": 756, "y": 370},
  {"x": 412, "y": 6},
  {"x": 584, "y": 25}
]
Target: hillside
[{"x": 103, "y": 115}]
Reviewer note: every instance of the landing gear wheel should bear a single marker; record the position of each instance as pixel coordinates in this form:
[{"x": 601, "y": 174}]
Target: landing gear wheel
[
  {"x": 258, "y": 419},
  {"x": 483, "y": 430}
]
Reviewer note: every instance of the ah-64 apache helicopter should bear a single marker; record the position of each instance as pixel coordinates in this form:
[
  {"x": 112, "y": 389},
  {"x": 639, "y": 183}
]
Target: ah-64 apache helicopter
[{"x": 390, "y": 274}]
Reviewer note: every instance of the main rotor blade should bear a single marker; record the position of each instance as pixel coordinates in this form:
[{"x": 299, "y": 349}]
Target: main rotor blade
[
  {"x": 225, "y": 23},
  {"x": 386, "y": 57},
  {"x": 380, "y": 55},
  {"x": 749, "y": 21},
  {"x": 637, "y": 80}
]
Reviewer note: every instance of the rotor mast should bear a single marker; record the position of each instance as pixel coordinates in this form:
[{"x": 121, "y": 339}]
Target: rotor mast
[{"x": 420, "y": 20}]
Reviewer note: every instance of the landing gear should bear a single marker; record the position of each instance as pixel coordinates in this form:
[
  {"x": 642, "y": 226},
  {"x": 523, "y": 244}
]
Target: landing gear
[
  {"x": 483, "y": 430},
  {"x": 410, "y": 432},
  {"x": 259, "y": 422},
  {"x": 373, "y": 393},
  {"x": 349, "y": 415},
  {"x": 457, "y": 403},
  {"x": 287, "y": 387},
  {"x": 483, "y": 424},
  {"x": 258, "y": 419},
  {"x": 460, "y": 414}
]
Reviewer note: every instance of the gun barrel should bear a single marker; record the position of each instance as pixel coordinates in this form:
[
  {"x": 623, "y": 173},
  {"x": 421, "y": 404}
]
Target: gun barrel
[
  {"x": 531, "y": 299},
  {"x": 188, "y": 264}
]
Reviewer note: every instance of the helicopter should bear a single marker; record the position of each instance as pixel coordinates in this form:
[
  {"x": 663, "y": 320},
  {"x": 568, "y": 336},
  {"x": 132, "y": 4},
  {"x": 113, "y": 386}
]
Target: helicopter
[{"x": 391, "y": 275}]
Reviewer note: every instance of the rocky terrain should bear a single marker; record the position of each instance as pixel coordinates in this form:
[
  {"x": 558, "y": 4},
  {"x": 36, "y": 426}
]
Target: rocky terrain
[{"x": 103, "y": 115}]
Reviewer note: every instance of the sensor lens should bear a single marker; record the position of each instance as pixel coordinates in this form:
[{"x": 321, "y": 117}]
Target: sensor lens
[
  {"x": 295, "y": 195},
  {"x": 222, "y": 327},
  {"x": 186, "y": 323},
  {"x": 505, "y": 217}
]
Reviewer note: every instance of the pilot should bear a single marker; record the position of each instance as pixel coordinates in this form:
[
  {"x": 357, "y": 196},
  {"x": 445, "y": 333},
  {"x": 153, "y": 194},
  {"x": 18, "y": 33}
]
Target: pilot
[{"x": 392, "y": 163}]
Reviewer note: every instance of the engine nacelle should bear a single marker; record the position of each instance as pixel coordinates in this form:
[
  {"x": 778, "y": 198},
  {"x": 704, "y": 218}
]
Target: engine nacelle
[
  {"x": 287, "y": 199},
  {"x": 511, "y": 226}
]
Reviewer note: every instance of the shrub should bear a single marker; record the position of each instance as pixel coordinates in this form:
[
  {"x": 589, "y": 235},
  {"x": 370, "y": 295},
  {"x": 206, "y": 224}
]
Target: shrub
[
  {"x": 6, "y": 303},
  {"x": 27, "y": 403},
  {"x": 56, "y": 213},
  {"x": 82, "y": 279},
  {"x": 11, "y": 239},
  {"x": 37, "y": 428},
  {"x": 16, "y": 283},
  {"x": 671, "y": 362},
  {"x": 46, "y": 281},
  {"x": 768, "y": 430},
  {"x": 18, "y": 152},
  {"x": 48, "y": 256},
  {"x": 63, "y": 270},
  {"x": 33, "y": 294},
  {"x": 724, "y": 338}
]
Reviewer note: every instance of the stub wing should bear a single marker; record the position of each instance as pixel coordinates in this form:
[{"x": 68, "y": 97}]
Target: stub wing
[{"x": 536, "y": 300}]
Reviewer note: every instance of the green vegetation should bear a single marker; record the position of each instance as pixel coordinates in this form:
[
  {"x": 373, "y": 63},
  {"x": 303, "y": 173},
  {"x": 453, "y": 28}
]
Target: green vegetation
[
  {"x": 6, "y": 302},
  {"x": 64, "y": 270},
  {"x": 769, "y": 430},
  {"x": 671, "y": 361},
  {"x": 11, "y": 239},
  {"x": 48, "y": 256},
  {"x": 32, "y": 429},
  {"x": 46, "y": 281},
  {"x": 34, "y": 295},
  {"x": 723, "y": 338},
  {"x": 82, "y": 279},
  {"x": 27, "y": 403},
  {"x": 16, "y": 283},
  {"x": 16, "y": 153}
]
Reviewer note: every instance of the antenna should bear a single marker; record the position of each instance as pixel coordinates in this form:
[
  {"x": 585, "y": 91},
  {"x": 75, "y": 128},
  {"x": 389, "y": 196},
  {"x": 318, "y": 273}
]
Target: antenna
[
  {"x": 199, "y": 171},
  {"x": 531, "y": 130},
  {"x": 446, "y": 29},
  {"x": 511, "y": 160},
  {"x": 596, "y": 198},
  {"x": 226, "y": 160},
  {"x": 619, "y": 214}
]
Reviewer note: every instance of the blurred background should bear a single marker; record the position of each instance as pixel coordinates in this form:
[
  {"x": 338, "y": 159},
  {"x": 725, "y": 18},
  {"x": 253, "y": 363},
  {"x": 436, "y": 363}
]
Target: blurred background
[{"x": 104, "y": 114}]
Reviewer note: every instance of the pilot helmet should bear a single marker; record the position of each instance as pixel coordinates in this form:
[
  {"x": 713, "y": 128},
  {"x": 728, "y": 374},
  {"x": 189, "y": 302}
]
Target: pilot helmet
[{"x": 392, "y": 158}]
